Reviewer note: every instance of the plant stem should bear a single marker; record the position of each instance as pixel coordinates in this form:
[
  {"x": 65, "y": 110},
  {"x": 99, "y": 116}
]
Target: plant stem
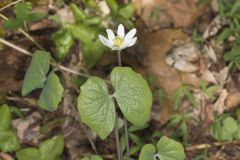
[
  {"x": 119, "y": 152},
  {"x": 125, "y": 120}
]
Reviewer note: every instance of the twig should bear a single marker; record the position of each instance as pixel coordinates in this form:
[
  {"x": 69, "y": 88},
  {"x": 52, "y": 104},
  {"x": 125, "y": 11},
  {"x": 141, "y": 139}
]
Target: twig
[
  {"x": 25, "y": 34},
  {"x": 10, "y": 4},
  {"x": 216, "y": 144},
  {"x": 25, "y": 52},
  {"x": 21, "y": 50}
]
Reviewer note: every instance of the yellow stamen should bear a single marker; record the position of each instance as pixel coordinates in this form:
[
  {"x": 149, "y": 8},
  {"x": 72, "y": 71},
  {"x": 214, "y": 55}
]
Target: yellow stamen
[{"x": 117, "y": 41}]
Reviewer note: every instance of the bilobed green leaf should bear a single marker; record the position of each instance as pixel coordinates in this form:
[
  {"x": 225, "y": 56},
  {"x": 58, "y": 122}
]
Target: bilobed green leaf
[
  {"x": 147, "y": 152},
  {"x": 51, "y": 94},
  {"x": 22, "y": 10},
  {"x": 52, "y": 149},
  {"x": 96, "y": 107},
  {"x": 5, "y": 118},
  {"x": 28, "y": 154},
  {"x": 229, "y": 129},
  {"x": 8, "y": 141},
  {"x": 132, "y": 94},
  {"x": 36, "y": 73},
  {"x": 169, "y": 149},
  {"x": 63, "y": 41},
  {"x": 224, "y": 130}
]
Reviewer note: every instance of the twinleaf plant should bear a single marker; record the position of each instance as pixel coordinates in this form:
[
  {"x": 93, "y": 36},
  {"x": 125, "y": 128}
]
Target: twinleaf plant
[
  {"x": 37, "y": 77},
  {"x": 167, "y": 149},
  {"x": 50, "y": 149},
  {"x": 131, "y": 93},
  {"x": 97, "y": 108},
  {"x": 225, "y": 128},
  {"x": 23, "y": 15},
  {"x": 8, "y": 138}
]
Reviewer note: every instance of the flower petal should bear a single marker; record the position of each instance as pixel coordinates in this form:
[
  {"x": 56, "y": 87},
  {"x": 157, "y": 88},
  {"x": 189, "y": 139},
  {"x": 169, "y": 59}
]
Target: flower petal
[
  {"x": 130, "y": 34},
  {"x": 131, "y": 42},
  {"x": 121, "y": 31},
  {"x": 105, "y": 41},
  {"x": 110, "y": 34},
  {"x": 128, "y": 43}
]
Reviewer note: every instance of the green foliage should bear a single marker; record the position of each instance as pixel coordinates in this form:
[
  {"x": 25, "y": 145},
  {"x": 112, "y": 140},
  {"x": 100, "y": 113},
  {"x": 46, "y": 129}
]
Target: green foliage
[
  {"x": 63, "y": 41},
  {"x": 168, "y": 149},
  {"x": 93, "y": 157},
  {"x": 209, "y": 90},
  {"x": 184, "y": 90},
  {"x": 23, "y": 15},
  {"x": 36, "y": 77},
  {"x": 132, "y": 94},
  {"x": 96, "y": 107},
  {"x": 137, "y": 141},
  {"x": 180, "y": 121},
  {"x": 233, "y": 56},
  {"x": 225, "y": 128},
  {"x": 8, "y": 139},
  {"x": 50, "y": 149},
  {"x": 36, "y": 73},
  {"x": 229, "y": 11},
  {"x": 203, "y": 156},
  {"x": 197, "y": 38},
  {"x": 51, "y": 94},
  {"x": 5, "y": 118},
  {"x": 122, "y": 14},
  {"x": 86, "y": 29}
]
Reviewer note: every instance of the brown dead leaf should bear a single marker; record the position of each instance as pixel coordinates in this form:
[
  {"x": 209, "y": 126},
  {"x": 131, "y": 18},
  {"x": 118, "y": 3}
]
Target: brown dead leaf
[
  {"x": 156, "y": 46},
  {"x": 233, "y": 100},
  {"x": 161, "y": 13},
  {"x": 184, "y": 58},
  {"x": 219, "y": 105},
  {"x": 5, "y": 156}
]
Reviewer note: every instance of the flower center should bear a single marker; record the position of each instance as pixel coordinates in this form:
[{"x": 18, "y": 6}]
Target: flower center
[{"x": 118, "y": 41}]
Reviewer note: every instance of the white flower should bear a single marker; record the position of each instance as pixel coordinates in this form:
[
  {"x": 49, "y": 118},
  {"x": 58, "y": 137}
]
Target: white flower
[{"x": 120, "y": 41}]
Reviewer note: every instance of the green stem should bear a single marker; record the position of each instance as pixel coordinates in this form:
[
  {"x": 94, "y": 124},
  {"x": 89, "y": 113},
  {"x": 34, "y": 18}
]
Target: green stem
[
  {"x": 125, "y": 120},
  {"x": 119, "y": 152}
]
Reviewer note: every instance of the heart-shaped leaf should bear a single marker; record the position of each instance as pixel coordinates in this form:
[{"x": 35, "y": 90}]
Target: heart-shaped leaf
[
  {"x": 96, "y": 107},
  {"x": 147, "y": 152},
  {"x": 169, "y": 149},
  {"x": 28, "y": 153},
  {"x": 8, "y": 141},
  {"x": 132, "y": 94},
  {"x": 36, "y": 73},
  {"x": 5, "y": 118},
  {"x": 51, "y": 94},
  {"x": 52, "y": 149}
]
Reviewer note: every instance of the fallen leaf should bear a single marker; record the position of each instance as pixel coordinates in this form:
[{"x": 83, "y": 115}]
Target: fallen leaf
[{"x": 162, "y": 13}]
